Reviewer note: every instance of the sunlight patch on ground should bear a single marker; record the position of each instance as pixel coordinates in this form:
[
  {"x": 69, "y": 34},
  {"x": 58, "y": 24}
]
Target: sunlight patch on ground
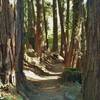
[
  {"x": 60, "y": 58},
  {"x": 41, "y": 66},
  {"x": 31, "y": 59},
  {"x": 47, "y": 71},
  {"x": 32, "y": 75}
]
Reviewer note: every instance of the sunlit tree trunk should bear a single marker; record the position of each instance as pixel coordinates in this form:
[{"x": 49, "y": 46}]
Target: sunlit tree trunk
[
  {"x": 38, "y": 36},
  {"x": 76, "y": 29},
  {"x": 83, "y": 40}
]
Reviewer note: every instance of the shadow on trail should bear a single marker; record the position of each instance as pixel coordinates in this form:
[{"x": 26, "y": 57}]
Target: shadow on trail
[{"x": 50, "y": 89}]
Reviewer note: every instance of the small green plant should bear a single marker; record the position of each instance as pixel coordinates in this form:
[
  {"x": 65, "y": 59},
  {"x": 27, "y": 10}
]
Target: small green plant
[{"x": 71, "y": 74}]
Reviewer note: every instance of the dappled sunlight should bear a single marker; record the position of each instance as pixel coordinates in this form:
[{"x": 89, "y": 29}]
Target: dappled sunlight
[
  {"x": 31, "y": 59},
  {"x": 36, "y": 62},
  {"x": 35, "y": 77},
  {"x": 47, "y": 49}
]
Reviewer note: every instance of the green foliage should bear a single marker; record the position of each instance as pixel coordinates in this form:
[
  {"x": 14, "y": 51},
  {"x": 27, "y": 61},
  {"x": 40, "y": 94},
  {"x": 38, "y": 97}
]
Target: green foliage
[
  {"x": 72, "y": 70},
  {"x": 71, "y": 74}
]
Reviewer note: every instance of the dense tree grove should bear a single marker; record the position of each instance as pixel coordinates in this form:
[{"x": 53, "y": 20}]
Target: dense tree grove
[{"x": 50, "y": 39}]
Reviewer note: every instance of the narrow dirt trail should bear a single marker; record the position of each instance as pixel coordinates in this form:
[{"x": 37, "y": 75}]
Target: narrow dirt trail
[
  {"x": 52, "y": 89},
  {"x": 47, "y": 86}
]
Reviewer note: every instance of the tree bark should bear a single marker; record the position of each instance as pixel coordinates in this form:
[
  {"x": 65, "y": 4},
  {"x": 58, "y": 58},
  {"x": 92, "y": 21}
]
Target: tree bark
[
  {"x": 45, "y": 24},
  {"x": 67, "y": 32},
  {"x": 38, "y": 36},
  {"x": 91, "y": 88},
  {"x": 5, "y": 41},
  {"x": 55, "y": 27},
  {"x": 19, "y": 43},
  {"x": 61, "y": 15},
  {"x": 74, "y": 44}
]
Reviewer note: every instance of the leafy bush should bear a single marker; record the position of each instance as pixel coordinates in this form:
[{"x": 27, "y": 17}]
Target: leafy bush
[{"x": 71, "y": 75}]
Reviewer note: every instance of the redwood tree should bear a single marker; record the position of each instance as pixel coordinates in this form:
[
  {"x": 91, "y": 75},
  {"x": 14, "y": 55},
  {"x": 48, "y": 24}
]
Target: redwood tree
[
  {"x": 76, "y": 26},
  {"x": 38, "y": 35},
  {"x": 55, "y": 26},
  {"x": 45, "y": 24},
  {"x": 19, "y": 43},
  {"x": 61, "y": 16},
  {"x": 5, "y": 41},
  {"x": 91, "y": 89}
]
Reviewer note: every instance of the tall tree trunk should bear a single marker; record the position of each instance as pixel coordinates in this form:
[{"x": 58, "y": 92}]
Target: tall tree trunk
[
  {"x": 45, "y": 24},
  {"x": 30, "y": 30},
  {"x": 74, "y": 44},
  {"x": 91, "y": 89},
  {"x": 83, "y": 39},
  {"x": 67, "y": 20},
  {"x": 38, "y": 36},
  {"x": 5, "y": 43},
  {"x": 55, "y": 26},
  {"x": 77, "y": 31},
  {"x": 34, "y": 17},
  {"x": 61, "y": 15},
  {"x": 19, "y": 43},
  {"x": 67, "y": 31}
]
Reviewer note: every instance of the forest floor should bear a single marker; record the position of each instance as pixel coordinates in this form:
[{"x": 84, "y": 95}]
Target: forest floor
[
  {"x": 9, "y": 94},
  {"x": 51, "y": 91},
  {"x": 44, "y": 80}
]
